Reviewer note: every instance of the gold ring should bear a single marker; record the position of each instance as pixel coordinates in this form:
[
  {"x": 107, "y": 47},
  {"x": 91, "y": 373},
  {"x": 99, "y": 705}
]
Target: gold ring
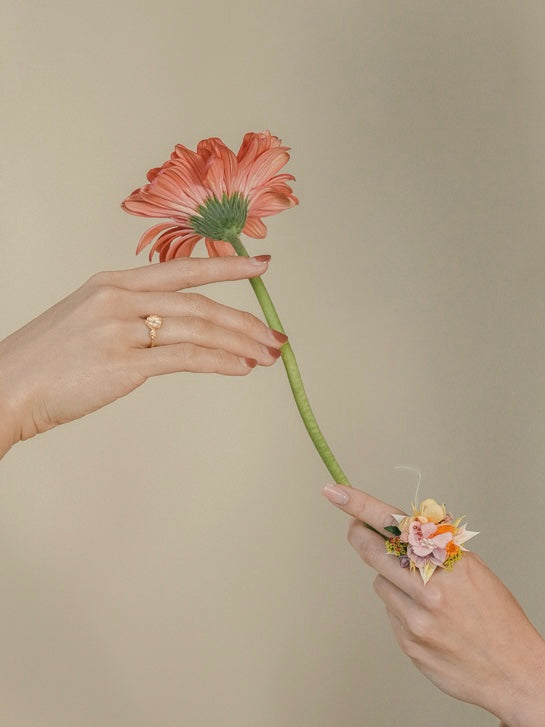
[{"x": 153, "y": 322}]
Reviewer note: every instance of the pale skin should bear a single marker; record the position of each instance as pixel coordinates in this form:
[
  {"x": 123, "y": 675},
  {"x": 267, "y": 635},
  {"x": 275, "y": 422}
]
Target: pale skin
[
  {"x": 464, "y": 630},
  {"x": 93, "y": 347}
]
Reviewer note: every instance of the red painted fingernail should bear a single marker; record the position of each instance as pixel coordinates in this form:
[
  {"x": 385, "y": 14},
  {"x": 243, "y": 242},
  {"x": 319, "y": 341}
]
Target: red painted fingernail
[
  {"x": 259, "y": 259},
  {"x": 274, "y": 352},
  {"x": 280, "y": 337},
  {"x": 251, "y": 363}
]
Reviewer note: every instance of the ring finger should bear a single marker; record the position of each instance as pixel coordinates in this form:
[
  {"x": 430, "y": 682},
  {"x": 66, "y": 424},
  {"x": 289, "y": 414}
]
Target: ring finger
[
  {"x": 181, "y": 305},
  {"x": 204, "y": 333},
  {"x": 370, "y": 548}
]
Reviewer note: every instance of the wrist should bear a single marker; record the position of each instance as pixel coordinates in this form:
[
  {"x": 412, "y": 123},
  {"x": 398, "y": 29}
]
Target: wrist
[
  {"x": 525, "y": 690},
  {"x": 16, "y": 418},
  {"x": 8, "y": 427},
  {"x": 10, "y": 400}
]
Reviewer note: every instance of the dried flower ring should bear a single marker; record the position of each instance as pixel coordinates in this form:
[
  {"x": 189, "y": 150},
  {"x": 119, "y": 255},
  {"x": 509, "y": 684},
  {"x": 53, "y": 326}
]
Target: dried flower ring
[
  {"x": 428, "y": 539},
  {"x": 153, "y": 322}
]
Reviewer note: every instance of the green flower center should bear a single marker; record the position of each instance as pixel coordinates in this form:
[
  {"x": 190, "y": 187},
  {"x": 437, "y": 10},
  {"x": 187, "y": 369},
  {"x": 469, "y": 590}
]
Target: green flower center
[{"x": 217, "y": 218}]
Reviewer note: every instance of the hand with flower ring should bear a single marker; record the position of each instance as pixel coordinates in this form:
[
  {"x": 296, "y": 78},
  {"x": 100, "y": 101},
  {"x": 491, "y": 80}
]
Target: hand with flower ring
[
  {"x": 464, "y": 630},
  {"x": 94, "y": 346}
]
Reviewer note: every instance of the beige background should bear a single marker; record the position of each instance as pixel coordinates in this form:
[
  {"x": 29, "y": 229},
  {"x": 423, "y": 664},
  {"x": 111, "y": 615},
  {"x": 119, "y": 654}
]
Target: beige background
[{"x": 169, "y": 561}]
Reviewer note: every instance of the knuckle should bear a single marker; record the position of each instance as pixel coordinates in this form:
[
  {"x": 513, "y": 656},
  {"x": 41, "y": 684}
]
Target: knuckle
[
  {"x": 472, "y": 561},
  {"x": 191, "y": 269},
  {"x": 185, "y": 355},
  {"x": 105, "y": 297},
  {"x": 412, "y": 649},
  {"x": 221, "y": 360},
  {"x": 370, "y": 549},
  {"x": 195, "y": 302},
  {"x": 474, "y": 566},
  {"x": 196, "y": 327},
  {"x": 110, "y": 335},
  {"x": 249, "y": 321},
  {"x": 418, "y": 626},
  {"x": 364, "y": 507},
  {"x": 433, "y": 598},
  {"x": 192, "y": 357},
  {"x": 378, "y": 585},
  {"x": 353, "y": 533},
  {"x": 373, "y": 552},
  {"x": 98, "y": 279}
]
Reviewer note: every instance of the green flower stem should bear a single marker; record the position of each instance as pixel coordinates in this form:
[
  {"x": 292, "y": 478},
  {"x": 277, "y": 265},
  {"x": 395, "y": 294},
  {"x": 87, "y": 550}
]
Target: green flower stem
[{"x": 292, "y": 369}]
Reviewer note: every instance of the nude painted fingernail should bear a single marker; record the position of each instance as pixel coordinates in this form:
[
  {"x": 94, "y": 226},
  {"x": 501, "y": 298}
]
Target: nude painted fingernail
[
  {"x": 335, "y": 495},
  {"x": 389, "y": 521},
  {"x": 251, "y": 363},
  {"x": 259, "y": 259}
]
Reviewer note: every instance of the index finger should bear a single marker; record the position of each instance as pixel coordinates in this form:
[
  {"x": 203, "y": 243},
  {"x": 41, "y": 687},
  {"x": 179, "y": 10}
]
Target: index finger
[
  {"x": 368, "y": 510},
  {"x": 362, "y": 506},
  {"x": 189, "y": 272}
]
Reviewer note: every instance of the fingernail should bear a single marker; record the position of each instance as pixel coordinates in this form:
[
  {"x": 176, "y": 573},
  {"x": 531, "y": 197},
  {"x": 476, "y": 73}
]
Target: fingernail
[
  {"x": 259, "y": 259},
  {"x": 335, "y": 495},
  {"x": 274, "y": 352},
  {"x": 280, "y": 337},
  {"x": 251, "y": 363},
  {"x": 389, "y": 521}
]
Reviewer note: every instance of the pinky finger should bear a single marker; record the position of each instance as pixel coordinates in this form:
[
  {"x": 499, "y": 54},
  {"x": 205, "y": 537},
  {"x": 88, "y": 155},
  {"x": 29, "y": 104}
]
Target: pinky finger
[
  {"x": 192, "y": 358},
  {"x": 398, "y": 627},
  {"x": 406, "y": 642}
]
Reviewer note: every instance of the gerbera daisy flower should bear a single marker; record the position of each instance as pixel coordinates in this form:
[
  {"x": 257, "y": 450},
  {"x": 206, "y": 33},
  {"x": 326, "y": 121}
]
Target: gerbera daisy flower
[{"x": 213, "y": 193}]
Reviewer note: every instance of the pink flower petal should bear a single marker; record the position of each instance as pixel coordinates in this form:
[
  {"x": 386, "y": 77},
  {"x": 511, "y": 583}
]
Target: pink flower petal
[
  {"x": 269, "y": 203},
  {"x": 219, "y": 248},
  {"x": 148, "y": 236},
  {"x": 254, "y": 227},
  {"x": 428, "y": 529},
  {"x": 440, "y": 541},
  {"x": 255, "y": 144},
  {"x": 418, "y": 560},
  {"x": 214, "y": 178},
  {"x": 438, "y": 556},
  {"x": 163, "y": 242},
  {"x": 264, "y": 167},
  {"x": 182, "y": 248},
  {"x": 230, "y": 167}
]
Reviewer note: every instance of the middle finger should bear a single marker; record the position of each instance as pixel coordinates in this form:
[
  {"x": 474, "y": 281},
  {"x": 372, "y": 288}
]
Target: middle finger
[{"x": 370, "y": 547}]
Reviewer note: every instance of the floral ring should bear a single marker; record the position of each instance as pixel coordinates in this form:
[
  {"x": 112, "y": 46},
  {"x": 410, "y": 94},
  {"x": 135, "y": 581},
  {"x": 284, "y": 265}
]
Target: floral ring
[
  {"x": 428, "y": 539},
  {"x": 153, "y": 323}
]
